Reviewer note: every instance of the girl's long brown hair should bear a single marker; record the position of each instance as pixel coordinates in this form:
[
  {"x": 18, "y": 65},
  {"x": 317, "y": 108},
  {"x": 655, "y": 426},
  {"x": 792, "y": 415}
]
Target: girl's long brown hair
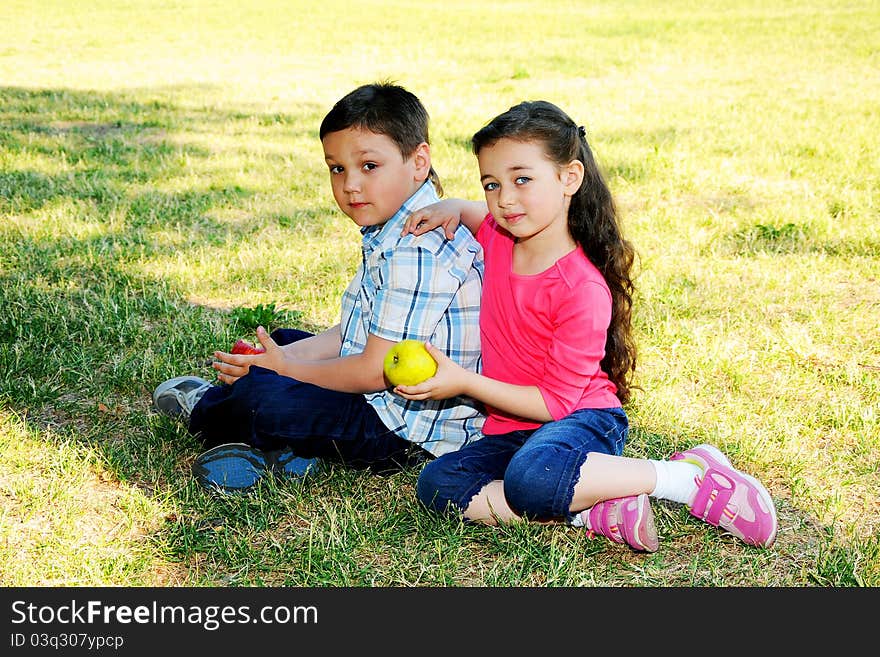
[{"x": 592, "y": 220}]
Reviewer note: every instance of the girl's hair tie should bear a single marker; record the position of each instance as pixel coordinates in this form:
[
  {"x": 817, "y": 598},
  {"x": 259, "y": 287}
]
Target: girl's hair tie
[{"x": 582, "y": 131}]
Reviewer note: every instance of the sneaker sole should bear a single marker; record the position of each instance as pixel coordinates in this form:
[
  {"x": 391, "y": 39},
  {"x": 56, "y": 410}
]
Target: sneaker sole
[
  {"x": 640, "y": 535},
  {"x": 261, "y": 464},
  {"x": 205, "y": 477},
  {"x": 646, "y": 531}
]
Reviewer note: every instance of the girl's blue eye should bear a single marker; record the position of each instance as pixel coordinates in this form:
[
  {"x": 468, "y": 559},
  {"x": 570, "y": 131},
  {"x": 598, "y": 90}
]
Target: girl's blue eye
[
  {"x": 522, "y": 180},
  {"x": 489, "y": 187}
]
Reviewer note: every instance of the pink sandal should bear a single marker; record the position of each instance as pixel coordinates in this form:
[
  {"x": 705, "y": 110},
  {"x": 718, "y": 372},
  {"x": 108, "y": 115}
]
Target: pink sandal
[
  {"x": 627, "y": 520},
  {"x": 730, "y": 499}
]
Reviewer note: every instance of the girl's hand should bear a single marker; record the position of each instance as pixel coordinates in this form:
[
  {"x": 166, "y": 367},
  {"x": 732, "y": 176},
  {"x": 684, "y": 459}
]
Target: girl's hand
[
  {"x": 443, "y": 213},
  {"x": 449, "y": 381},
  {"x": 231, "y": 367}
]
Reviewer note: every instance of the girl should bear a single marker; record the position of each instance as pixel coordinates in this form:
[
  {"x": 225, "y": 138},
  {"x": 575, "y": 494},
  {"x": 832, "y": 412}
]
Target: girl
[{"x": 558, "y": 355}]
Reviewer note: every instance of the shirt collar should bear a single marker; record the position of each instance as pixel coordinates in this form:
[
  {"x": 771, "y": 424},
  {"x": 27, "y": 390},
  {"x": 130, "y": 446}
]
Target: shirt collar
[{"x": 373, "y": 236}]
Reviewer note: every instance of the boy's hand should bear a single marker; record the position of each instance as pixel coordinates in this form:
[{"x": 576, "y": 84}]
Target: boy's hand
[
  {"x": 231, "y": 367},
  {"x": 449, "y": 381},
  {"x": 443, "y": 213}
]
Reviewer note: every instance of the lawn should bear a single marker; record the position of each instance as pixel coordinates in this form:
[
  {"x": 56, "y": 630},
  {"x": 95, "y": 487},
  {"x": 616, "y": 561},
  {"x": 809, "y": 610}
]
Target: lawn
[{"x": 162, "y": 183}]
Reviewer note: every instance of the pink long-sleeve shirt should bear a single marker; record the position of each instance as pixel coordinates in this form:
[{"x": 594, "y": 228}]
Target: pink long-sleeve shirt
[{"x": 546, "y": 330}]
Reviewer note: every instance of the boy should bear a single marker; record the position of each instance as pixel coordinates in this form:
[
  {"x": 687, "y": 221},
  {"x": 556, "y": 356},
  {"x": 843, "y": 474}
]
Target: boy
[{"x": 325, "y": 396}]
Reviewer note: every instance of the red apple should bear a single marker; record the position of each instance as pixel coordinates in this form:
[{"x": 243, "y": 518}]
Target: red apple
[{"x": 242, "y": 347}]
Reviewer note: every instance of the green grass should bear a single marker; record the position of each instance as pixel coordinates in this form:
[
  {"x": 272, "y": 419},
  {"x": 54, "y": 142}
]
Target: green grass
[{"x": 162, "y": 188}]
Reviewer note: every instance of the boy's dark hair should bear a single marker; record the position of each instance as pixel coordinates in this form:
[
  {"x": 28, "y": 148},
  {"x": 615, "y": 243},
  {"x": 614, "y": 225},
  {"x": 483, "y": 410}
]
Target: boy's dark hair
[
  {"x": 592, "y": 220},
  {"x": 385, "y": 109}
]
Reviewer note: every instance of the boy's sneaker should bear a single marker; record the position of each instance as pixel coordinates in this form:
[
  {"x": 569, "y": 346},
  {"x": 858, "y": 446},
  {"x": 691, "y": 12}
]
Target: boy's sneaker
[
  {"x": 627, "y": 520},
  {"x": 730, "y": 499},
  {"x": 236, "y": 467},
  {"x": 178, "y": 396}
]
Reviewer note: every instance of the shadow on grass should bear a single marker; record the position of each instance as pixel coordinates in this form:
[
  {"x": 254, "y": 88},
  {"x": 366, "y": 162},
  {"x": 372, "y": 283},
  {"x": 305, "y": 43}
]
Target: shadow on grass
[
  {"x": 83, "y": 341},
  {"x": 84, "y": 336}
]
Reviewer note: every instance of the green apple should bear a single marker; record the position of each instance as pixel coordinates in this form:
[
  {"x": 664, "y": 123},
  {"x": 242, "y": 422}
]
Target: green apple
[{"x": 408, "y": 363}]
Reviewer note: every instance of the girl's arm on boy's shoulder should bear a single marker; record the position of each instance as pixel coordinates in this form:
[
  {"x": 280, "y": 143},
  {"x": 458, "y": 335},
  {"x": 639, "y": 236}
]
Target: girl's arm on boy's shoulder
[{"x": 448, "y": 213}]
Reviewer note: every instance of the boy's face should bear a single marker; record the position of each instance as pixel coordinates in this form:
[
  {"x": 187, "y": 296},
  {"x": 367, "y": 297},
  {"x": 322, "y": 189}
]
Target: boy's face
[{"x": 369, "y": 176}]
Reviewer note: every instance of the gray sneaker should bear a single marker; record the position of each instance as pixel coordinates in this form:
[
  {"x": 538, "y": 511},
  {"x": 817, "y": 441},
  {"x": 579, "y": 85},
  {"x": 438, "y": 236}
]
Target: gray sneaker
[{"x": 178, "y": 396}]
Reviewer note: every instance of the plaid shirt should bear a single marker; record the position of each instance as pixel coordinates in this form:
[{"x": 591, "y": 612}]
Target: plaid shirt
[{"x": 424, "y": 288}]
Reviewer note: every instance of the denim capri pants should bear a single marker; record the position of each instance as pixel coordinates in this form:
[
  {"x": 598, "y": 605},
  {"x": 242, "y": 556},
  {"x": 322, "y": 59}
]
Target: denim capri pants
[{"x": 540, "y": 467}]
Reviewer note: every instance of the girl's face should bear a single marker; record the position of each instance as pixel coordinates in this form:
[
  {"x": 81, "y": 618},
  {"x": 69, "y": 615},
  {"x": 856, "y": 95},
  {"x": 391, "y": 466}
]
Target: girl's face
[
  {"x": 369, "y": 177},
  {"x": 527, "y": 193}
]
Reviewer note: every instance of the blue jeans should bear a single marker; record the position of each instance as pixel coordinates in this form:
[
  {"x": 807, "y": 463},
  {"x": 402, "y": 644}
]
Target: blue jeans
[
  {"x": 270, "y": 411},
  {"x": 539, "y": 467}
]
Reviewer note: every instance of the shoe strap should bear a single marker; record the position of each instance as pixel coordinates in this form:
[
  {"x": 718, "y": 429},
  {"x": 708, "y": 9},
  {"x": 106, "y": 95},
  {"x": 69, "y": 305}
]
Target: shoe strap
[
  {"x": 599, "y": 523},
  {"x": 713, "y": 496}
]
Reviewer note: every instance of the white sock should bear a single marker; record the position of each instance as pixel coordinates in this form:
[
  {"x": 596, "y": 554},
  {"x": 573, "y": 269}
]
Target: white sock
[
  {"x": 577, "y": 521},
  {"x": 675, "y": 480}
]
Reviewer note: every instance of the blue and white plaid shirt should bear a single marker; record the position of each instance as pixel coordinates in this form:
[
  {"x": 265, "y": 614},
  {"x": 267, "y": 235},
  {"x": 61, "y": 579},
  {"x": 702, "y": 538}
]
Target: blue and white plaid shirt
[{"x": 424, "y": 288}]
